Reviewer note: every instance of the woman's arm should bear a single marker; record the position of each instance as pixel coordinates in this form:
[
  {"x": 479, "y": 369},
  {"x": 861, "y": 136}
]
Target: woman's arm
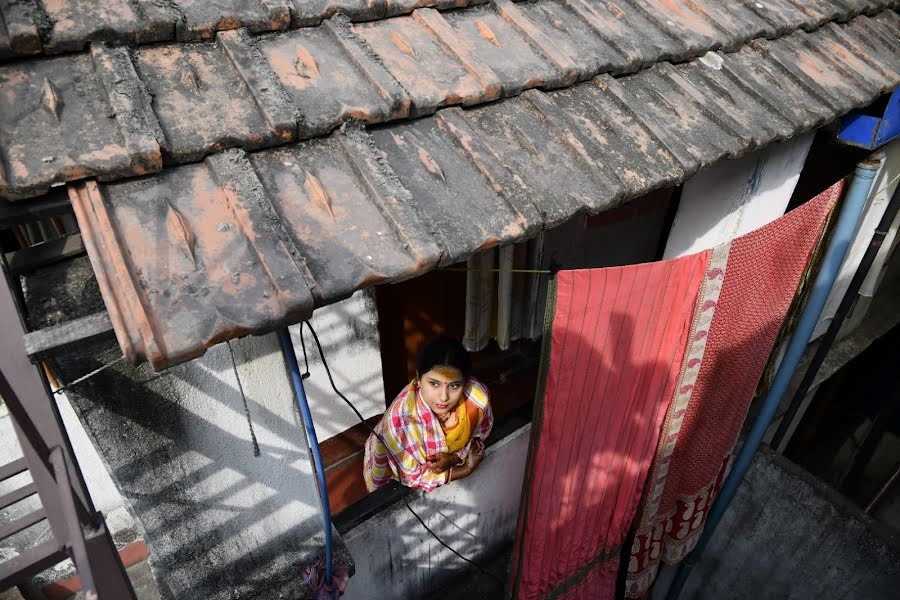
[{"x": 476, "y": 455}]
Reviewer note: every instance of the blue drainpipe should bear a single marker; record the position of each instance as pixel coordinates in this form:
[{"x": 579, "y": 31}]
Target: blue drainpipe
[
  {"x": 287, "y": 349},
  {"x": 853, "y": 205}
]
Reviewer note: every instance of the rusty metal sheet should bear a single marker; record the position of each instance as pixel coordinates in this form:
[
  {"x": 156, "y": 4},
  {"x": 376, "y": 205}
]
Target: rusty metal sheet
[
  {"x": 190, "y": 258},
  {"x": 343, "y": 215},
  {"x": 73, "y": 117},
  {"x": 245, "y": 243},
  {"x": 331, "y": 77},
  {"x": 204, "y": 100},
  {"x": 426, "y": 56}
]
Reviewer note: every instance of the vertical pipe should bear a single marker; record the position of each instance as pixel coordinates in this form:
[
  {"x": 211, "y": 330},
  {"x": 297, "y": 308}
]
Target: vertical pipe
[
  {"x": 851, "y": 210},
  {"x": 287, "y": 349},
  {"x": 834, "y": 327}
]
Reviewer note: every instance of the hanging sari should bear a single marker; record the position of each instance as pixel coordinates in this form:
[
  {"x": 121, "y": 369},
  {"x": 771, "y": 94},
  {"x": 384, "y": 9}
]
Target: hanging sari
[{"x": 647, "y": 369}]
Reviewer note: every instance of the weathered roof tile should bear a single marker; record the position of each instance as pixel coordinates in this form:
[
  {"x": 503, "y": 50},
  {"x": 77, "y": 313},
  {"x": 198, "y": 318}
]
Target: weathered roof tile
[
  {"x": 203, "y": 18},
  {"x": 75, "y": 23},
  {"x": 18, "y": 29},
  {"x": 520, "y": 53},
  {"x": 204, "y": 103},
  {"x": 750, "y": 115},
  {"x": 74, "y": 117},
  {"x": 617, "y": 23},
  {"x": 426, "y": 56},
  {"x": 307, "y": 216},
  {"x": 616, "y": 138},
  {"x": 575, "y": 37},
  {"x": 331, "y": 77},
  {"x": 532, "y": 140},
  {"x": 223, "y": 268},
  {"x": 751, "y": 67},
  {"x": 351, "y": 225},
  {"x": 455, "y": 199}
]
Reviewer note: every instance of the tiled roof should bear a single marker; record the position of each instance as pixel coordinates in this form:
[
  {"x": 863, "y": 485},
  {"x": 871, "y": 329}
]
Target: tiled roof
[{"x": 298, "y": 213}]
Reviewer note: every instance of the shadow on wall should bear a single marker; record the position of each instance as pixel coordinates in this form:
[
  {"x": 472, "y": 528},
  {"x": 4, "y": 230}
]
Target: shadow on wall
[{"x": 220, "y": 522}]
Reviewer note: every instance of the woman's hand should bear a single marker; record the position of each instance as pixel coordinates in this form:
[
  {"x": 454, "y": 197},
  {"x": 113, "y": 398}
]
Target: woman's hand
[
  {"x": 442, "y": 461},
  {"x": 476, "y": 455}
]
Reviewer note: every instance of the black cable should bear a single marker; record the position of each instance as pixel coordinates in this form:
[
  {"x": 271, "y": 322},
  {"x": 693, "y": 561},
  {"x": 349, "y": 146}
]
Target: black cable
[{"x": 387, "y": 448}]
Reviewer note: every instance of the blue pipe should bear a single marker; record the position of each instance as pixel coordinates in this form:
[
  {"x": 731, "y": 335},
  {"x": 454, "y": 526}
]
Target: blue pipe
[
  {"x": 851, "y": 211},
  {"x": 287, "y": 349}
]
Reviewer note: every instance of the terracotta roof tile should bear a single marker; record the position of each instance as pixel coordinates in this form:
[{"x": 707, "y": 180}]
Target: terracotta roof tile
[
  {"x": 203, "y": 101},
  {"x": 331, "y": 76},
  {"x": 257, "y": 91},
  {"x": 245, "y": 243},
  {"x": 428, "y": 58},
  {"x": 52, "y": 27},
  {"x": 74, "y": 117},
  {"x": 351, "y": 220}
]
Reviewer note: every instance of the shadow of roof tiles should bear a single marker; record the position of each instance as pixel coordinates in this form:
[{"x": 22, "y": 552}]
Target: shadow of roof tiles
[{"x": 242, "y": 243}]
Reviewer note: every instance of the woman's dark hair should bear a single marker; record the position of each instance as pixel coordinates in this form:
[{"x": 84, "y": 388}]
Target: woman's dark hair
[{"x": 443, "y": 352}]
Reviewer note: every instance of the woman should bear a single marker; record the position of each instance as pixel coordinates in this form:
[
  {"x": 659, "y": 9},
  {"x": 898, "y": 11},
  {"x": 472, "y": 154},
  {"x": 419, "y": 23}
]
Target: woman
[{"x": 434, "y": 431}]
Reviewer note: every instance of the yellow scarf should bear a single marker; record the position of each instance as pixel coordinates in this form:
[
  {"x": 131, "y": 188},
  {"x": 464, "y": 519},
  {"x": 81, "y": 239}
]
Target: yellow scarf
[{"x": 458, "y": 435}]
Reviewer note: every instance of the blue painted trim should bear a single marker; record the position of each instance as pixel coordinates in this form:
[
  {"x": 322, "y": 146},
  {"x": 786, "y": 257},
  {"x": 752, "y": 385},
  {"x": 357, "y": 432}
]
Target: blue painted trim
[
  {"x": 853, "y": 205},
  {"x": 872, "y": 132},
  {"x": 287, "y": 350}
]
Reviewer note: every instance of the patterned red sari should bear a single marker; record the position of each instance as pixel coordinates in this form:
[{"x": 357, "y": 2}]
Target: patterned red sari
[{"x": 649, "y": 371}]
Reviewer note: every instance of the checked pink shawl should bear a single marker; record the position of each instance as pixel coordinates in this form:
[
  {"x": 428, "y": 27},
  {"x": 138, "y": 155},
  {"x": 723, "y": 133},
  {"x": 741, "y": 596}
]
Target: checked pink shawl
[{"x": 649, "y": 372}]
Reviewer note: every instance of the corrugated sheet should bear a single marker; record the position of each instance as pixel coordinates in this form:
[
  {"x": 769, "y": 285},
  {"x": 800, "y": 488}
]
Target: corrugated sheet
[
  {"x": 117, "y": 112},
  {"x": 243, "y": 243}
]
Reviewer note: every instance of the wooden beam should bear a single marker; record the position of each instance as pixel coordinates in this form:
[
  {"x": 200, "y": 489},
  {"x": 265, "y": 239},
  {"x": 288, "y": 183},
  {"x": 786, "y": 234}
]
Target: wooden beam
[
  {"x": 41, "y": 255},
  {"x": 49, "y": 338},
  {"x": 55, "y": 202}
]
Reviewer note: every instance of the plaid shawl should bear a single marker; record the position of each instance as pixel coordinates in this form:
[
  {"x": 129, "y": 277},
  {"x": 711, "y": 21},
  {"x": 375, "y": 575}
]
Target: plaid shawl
[{"x": 412, "y": 433}]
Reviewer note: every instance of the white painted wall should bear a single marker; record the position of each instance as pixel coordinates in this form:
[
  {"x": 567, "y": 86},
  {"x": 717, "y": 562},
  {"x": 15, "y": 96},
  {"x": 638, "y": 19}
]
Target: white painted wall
[
  {"x": 734, "y": 197},
  {"x": 396, "y": 558},
  {"x": 219, "y": 521},
  {"x": 348, "y": 331}
]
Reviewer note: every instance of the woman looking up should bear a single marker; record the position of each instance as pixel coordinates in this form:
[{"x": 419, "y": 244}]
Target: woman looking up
[{"x": 434, "y": 431}]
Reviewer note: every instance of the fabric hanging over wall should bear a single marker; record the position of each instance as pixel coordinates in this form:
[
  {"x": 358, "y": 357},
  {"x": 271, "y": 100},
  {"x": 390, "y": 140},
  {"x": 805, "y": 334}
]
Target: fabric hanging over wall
[
  {"x": 626, "y": 349},
  {"x": 719, "y": 377}
]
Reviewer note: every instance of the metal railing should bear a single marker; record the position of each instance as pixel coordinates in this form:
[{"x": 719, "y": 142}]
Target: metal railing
[{"x": 78, "y": 531}]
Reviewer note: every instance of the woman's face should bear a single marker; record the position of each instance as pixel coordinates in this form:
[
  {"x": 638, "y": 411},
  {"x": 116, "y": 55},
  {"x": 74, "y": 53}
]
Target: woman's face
[{"x": 442, "y": 389}]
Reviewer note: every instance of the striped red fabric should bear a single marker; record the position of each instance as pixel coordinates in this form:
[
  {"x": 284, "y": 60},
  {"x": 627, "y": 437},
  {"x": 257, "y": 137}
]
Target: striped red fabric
[
  {"x": 617, "y": 341},
  {"x": 650, "y": 370}
]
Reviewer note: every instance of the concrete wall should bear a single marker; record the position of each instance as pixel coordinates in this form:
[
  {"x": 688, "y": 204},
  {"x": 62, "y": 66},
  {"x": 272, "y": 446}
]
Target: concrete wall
[
  {"x": 396, "y": 558},
  {"x": 220, "y": 522},
  {"x": 788, "y": 536}
]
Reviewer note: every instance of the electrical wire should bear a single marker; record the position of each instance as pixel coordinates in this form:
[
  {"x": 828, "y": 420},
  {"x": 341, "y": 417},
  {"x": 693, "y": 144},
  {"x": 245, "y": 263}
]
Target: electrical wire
[
  {"x": 381, "y": 439},
  {"x": 88, "y": 376}
]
